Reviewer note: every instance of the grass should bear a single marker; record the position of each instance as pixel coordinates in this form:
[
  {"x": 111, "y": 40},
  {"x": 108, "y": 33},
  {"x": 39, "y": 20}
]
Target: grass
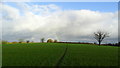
[
  {"x": 48, "y": 54},
  {"x": 90, "y": 55}
]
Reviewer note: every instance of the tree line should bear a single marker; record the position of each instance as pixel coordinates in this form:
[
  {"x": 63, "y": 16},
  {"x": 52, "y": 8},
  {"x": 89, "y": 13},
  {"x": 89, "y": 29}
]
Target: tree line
[
  {"x": 42, "y": 40},
  {"x": 98, "y": 35}
]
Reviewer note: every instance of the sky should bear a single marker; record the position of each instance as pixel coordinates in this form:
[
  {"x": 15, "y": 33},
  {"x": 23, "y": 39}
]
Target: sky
[
  {"x": 64, "y": 21},
  {"x": 60, "y": 0},
  {"x": 95, "y": 6}
]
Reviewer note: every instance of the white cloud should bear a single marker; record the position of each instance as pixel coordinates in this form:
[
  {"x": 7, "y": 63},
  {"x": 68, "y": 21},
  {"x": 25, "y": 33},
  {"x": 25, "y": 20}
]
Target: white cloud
[
  {"x": 50, "y": 21},
  {"x": 9, "y": 12}
]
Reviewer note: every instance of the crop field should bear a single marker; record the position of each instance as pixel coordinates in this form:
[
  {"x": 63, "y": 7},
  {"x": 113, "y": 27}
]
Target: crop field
[{"x": 59, "y": 54}]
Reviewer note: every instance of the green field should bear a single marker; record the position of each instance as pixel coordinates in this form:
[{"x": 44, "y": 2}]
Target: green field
[{"x": 49, "y": 54}]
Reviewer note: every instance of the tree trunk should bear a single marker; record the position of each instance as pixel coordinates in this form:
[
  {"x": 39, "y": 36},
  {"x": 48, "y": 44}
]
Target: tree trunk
[{"x": 99, "y": 43}]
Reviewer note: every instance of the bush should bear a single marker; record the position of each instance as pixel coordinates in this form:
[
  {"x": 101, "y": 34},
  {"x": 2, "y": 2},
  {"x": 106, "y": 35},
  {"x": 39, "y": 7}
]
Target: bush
[
  {"x": 55, "y": 41},
  {"x": 27, "y": 41},
  {"x": 21, "y": 40},
  {"x": 50, "y": 41}
]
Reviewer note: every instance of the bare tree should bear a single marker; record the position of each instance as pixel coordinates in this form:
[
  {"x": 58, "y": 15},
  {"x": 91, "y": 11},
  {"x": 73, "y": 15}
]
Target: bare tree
[
  {"x": 42, "y": 40},
  {"x": 100, "y": 35}
]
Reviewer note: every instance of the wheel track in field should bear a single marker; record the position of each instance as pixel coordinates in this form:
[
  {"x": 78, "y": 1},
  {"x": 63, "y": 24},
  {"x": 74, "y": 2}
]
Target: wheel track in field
[{"x": 62, "y": 57}]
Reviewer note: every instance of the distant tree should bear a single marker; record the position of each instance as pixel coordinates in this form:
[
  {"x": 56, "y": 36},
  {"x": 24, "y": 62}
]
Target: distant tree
[
  {"x": 21, "y": 40},
  {"x": 32, "y": 41},
  {"x": 119, "y": 43},
  {"x": 100, "y": 35},
  {"x": 55, "y": 41},
  {"x": 27, "y": 41},
  {"x": 42, "y": 40},
  {"x": 4, "y": 42},
  {"x": 95, "y": 43},
  {"x": 0, "y": 41},
  {"x": 50, "y": 41}
]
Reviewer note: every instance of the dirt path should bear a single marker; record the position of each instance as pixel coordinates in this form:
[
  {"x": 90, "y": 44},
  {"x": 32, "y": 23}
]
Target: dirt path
[{"x": 62, "y": 57}]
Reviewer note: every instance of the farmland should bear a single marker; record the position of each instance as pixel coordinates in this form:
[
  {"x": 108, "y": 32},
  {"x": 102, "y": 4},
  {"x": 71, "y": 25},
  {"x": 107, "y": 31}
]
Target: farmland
[{"x": 59, "y": 54}]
